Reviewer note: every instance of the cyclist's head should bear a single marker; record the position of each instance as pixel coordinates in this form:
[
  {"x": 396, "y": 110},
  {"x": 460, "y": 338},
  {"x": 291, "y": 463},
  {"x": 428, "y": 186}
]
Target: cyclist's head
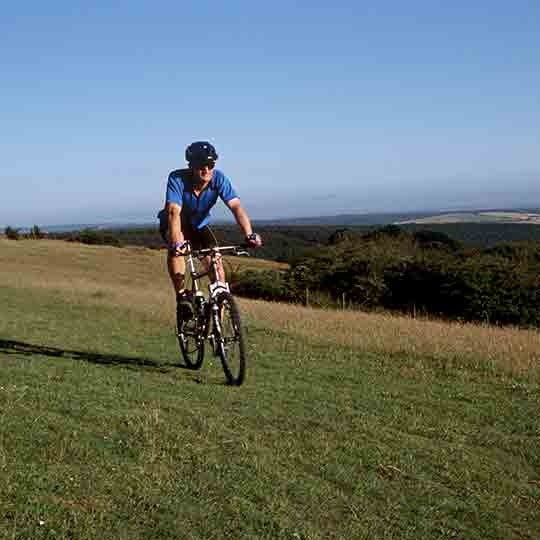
[{"x": 201, "y": 153}]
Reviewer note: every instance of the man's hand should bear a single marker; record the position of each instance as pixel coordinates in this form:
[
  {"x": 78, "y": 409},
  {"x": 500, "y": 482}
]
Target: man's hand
[
  {"x": 177, "y": 249},
  {"x": 254, "y": 240}
]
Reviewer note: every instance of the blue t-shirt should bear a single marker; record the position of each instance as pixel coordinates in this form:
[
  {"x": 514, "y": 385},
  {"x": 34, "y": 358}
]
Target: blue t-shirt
[{"x": 197, "y": 208}]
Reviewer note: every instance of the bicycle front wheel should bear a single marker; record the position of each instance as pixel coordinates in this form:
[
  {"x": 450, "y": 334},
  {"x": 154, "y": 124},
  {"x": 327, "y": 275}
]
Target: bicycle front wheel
[
  {"x": 229, "y": 338},
  {"x": 191, "y": 341}
]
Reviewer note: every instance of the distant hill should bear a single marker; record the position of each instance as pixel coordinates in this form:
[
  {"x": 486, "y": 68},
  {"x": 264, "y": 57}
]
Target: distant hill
[
  {"x": 529, "y": 216},
  {"x": 349, "y": 219}
]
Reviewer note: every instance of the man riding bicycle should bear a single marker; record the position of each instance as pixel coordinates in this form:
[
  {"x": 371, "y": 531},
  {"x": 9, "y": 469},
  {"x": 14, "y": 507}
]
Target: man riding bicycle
[{"x": 191, "y": 194}]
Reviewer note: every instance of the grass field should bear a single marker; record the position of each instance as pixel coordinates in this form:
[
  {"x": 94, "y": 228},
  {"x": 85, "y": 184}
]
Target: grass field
[{"x": 349, "y": 425}]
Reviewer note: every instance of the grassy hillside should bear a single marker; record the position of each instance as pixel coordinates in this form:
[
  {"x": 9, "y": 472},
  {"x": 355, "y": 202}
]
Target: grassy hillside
[{"x": 348, "y": 426}]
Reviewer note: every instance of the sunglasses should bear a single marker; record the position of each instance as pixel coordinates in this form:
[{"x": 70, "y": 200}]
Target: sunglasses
[{"x": 209, "y": 164}]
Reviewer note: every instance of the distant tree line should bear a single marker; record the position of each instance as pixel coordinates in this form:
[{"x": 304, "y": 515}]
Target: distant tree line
[
  {"x": 15, "y": 234},
  {"x": 280, "y": 243},
  {"x": 285, "y": 242}
]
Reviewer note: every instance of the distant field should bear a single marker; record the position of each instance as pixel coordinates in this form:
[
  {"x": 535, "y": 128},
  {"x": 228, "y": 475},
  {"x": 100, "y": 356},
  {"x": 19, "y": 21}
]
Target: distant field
[
  {"x": 349, "y": 426},
  {"x": 478, "y": 217}
]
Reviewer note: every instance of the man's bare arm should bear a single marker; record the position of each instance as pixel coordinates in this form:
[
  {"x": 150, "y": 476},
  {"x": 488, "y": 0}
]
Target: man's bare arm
[
  {"x": 240, "y": 215},
  {"x": 175, "y": 229},
  {"x": 175, "y": 263}
]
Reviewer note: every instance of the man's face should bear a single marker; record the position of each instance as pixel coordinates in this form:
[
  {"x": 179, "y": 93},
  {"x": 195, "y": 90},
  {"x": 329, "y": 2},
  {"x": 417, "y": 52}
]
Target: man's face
[{"x": 202, "y": 172}]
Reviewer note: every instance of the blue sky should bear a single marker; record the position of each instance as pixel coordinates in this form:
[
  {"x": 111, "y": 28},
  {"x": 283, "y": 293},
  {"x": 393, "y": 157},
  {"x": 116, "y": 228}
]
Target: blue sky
[{"x": 314, "y": 107}]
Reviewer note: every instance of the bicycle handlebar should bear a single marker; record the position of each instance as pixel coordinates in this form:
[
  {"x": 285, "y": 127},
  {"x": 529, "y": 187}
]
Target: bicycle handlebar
[{"x": 236, "y": 250}]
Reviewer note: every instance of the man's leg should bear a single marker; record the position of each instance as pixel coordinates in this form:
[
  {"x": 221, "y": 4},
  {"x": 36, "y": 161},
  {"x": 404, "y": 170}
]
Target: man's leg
[
  {"x": 177, "y": 270},
  {"x": 220, "y": 269},
  {"x": 175, "y": 265},
  {"x": 184, "y": 301}
]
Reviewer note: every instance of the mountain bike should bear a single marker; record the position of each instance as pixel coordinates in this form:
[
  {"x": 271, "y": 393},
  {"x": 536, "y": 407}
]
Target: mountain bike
[{"x": 216, "y": 317}]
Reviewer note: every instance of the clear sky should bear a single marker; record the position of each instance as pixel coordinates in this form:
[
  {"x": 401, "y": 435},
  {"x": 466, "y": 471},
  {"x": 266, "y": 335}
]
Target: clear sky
[{"x": 314, "y": 107}]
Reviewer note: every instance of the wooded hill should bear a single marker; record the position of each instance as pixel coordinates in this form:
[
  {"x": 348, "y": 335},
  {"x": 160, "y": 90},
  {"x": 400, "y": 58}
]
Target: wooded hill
[
  {"x": 285, "y": 241},
  {"x": 422, "y": 272}
]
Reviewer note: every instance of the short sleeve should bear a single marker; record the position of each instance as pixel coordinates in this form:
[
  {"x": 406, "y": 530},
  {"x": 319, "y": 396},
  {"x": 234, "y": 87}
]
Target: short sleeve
[
  {"x": 175, "y": 190},
  {"x": 225, "y": 189}
]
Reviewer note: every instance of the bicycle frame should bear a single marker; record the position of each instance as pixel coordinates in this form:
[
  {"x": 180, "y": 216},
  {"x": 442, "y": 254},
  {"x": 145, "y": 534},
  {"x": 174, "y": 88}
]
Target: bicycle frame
[{"x": 215, "y": 286}]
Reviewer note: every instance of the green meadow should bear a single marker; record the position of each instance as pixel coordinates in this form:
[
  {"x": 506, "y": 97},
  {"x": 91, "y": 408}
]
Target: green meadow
[{"x": 349, "y": 425}]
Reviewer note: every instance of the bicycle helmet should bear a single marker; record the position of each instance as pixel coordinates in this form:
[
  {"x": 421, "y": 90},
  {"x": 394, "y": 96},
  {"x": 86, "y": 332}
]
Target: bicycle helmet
[{"x": 200, "y": 152}]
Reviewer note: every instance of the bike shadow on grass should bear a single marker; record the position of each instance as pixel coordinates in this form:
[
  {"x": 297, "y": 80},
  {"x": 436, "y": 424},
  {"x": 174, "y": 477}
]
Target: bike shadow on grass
[{"x": 8, "y": 346}]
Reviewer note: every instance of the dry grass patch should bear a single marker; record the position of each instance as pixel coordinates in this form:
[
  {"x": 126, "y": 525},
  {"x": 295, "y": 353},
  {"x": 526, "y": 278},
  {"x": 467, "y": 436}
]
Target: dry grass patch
[
  {"x": 137, "y": 278},
  {"x": 515, "y": 350}
]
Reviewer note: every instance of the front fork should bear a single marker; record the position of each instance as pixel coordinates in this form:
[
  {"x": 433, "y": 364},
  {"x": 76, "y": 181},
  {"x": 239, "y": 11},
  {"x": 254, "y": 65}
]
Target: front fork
[{"x": 216, "y": 337}]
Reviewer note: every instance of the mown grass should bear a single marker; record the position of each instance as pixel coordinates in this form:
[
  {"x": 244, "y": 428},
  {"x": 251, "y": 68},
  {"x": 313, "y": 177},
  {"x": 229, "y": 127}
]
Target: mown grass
[{"x": 338, "y": 432}]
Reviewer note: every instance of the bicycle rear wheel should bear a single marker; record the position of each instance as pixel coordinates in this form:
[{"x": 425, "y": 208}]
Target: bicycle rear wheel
[
  {"x": 229, "y": 338},
  {"x": 191, "y": 341}
]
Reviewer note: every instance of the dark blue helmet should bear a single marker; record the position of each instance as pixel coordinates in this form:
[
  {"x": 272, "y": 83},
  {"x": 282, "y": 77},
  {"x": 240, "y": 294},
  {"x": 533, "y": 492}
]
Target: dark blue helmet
[{"x": 200, "y": 152}]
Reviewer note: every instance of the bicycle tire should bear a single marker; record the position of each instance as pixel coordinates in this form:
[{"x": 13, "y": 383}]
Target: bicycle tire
[
  {"x": 191, "y": 342},
  {"x": 230, "y": 340}
]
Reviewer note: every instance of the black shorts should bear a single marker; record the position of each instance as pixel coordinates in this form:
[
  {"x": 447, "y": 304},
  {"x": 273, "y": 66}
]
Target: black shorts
[{"x": 199, "y": 238}]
